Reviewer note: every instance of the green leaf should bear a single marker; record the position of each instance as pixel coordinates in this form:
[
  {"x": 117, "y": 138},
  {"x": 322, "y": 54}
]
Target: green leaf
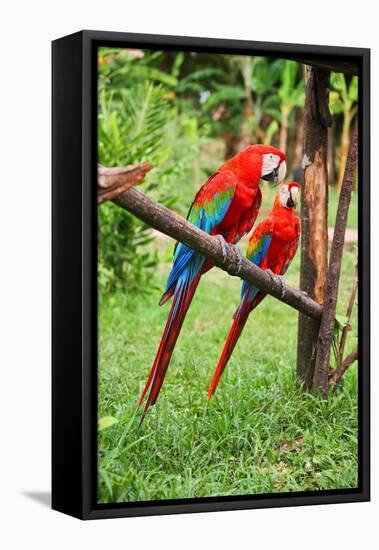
[
  {"x": 353, "y": 89},
  {"x": 336, "y": 105},
  {"x": 338, "y": 83},
  {"x": 225, "y": 93},
  {"x": 288, "y": 80},
  {"x": 178, "y": 62},
  {"x": 271, "y": 131},
  {"x": 106, "y": 422},
  {"x": 251, "y": 124}
]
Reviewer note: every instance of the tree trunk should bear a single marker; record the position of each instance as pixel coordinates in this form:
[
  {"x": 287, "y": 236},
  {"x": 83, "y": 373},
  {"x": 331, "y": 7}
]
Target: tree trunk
[
  {"x": 325, "y": 336},
  {"x": 331, "y": 171},
  {"x": 314, "y": 210}
]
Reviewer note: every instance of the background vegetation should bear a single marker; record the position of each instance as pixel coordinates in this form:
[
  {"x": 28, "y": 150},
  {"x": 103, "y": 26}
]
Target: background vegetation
[{"x": 185, "y": 113}]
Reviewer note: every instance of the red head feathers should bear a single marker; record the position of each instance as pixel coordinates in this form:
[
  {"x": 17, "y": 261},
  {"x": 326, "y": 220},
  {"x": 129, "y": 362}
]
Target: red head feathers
[{"x": 265, "y": 160}]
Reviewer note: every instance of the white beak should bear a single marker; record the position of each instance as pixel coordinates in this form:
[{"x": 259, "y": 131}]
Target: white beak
[{"x": 282, "y": 171}]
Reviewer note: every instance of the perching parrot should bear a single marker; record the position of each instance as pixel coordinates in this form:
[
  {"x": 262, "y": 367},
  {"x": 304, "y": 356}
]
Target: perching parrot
[
  {"x": 227, "y": 206},
  {"x": 272, "y": 246}
]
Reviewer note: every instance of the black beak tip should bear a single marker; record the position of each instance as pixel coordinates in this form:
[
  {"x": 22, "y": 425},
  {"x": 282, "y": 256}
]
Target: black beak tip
[{"x": 272, "y": 177}]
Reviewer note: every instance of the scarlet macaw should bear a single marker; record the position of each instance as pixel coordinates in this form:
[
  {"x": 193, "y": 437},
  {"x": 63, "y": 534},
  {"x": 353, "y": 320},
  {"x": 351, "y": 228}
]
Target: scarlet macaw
[
  {"x": 227, "y": 206},
  {"x": 272, "y": 246}
]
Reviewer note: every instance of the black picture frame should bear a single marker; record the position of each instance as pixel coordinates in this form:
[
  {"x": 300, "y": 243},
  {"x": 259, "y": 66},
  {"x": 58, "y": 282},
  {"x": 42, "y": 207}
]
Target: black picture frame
[{"x": 74, "y": 295}]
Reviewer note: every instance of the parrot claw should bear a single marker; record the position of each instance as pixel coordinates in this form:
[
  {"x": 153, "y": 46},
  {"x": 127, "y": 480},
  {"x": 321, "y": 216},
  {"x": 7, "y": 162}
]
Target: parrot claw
[
  {"x": 282, "y": 286},
  {"x": 224, "y": 245},
  {"x": 237, "y": 253},
  {"x": 279, "y": 278},
  {"x": 239, "y": 257},
  {"x": 272, "y": 275}
]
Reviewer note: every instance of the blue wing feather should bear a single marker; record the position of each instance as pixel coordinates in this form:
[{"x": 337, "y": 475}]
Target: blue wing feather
[
  {"x": 256, "y": 254},
  {"x": 206, "y": 216}
]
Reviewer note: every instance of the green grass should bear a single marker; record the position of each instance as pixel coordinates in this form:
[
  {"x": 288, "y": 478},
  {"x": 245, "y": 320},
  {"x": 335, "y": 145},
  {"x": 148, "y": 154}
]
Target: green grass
[
  {"x": 352, "y": 218},
  {"x": 237, "y": 444}
]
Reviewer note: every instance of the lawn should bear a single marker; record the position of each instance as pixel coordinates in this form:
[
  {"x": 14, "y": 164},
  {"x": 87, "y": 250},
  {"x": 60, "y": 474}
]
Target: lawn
[
  {"x": 260, "y": 434},
  {"x": 352, "y": 217}
]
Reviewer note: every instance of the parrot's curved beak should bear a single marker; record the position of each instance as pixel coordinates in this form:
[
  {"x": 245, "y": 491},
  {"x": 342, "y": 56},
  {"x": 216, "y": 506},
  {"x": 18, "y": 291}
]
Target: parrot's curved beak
[
  {"x": 277, "y": 175},
  {"x": 293, "y": 197},
  {"x": 272, "y": 177}
]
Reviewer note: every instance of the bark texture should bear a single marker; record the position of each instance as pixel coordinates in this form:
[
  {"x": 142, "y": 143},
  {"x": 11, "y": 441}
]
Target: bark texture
[
  {"x": 113, "y": 181},
  {"x": 314, "y": 211},
  {"x": 325, "y": 336}
]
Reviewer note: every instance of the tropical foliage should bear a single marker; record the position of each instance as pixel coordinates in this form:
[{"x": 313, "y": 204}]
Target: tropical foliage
[
  {"x": 138, "y": 121},
  {"x": 184, "y": 113}
]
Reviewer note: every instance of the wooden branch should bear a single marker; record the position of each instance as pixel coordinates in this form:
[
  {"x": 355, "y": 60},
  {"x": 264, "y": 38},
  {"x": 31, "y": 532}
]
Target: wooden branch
[
  {"x": 320, "y": 380},
  {"x": 112, "y": 182},
  {"x": 161, "y": 218},
  {"x": 349, "y": 311},
  {"x": 314, "y": 211},
  {"x": 339, "y": 372}
]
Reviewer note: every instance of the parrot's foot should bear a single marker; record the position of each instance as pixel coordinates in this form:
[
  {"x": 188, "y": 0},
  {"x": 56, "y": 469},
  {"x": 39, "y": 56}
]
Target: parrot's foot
[
  {"x": 239, "y": 257},
  {"x": 224, "y": 245},
  {"x": 233, "y": 269},
  {"x": 282, "y": 286},
  {"x": 280, "y": 279}
]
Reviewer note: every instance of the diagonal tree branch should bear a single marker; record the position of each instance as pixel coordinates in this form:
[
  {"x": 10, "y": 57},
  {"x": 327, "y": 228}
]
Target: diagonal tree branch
[
  {"x": 161, "y": 218},
  {"x": 338, "y": 373},
  {"x": 349, "y": 311},
  {"x": 111, "y": 182},
  {"x": 320, "y": 380}
]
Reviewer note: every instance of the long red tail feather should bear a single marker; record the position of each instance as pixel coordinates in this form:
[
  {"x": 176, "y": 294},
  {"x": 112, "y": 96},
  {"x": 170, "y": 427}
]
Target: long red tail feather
[
  {"x": 170, "y": 335},
  {"x": 234, "y": 333},
  {"x": 239, "y": 322}
]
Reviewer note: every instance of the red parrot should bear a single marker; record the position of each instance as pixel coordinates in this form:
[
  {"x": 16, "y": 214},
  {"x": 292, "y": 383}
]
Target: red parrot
[
  {"x": 227, "y": 206},
  {"x": 272, "y": 246}
]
